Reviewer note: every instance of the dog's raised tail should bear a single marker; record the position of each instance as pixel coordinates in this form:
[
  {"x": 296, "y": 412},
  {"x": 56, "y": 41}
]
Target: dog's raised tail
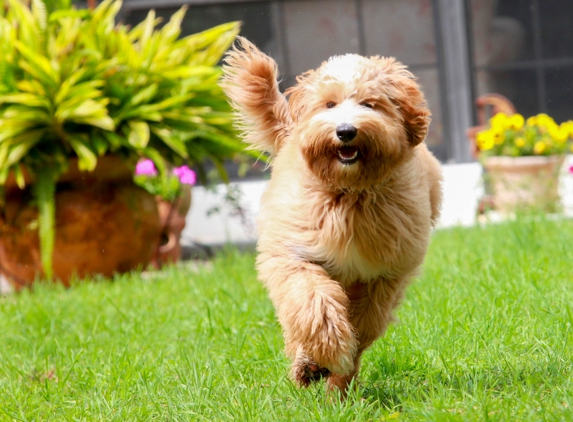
[{"x": 250, "y": 82}]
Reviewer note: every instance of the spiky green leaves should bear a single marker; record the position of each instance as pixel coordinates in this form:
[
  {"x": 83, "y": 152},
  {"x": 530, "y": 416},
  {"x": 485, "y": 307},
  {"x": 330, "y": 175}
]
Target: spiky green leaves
[{"x": 72, "y": 83}]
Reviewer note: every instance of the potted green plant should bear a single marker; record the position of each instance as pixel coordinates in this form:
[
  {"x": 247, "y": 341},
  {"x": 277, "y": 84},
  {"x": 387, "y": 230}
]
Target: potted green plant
[
  {"x": 523, "y": 158},
  {"x": 81, "y": 101}
]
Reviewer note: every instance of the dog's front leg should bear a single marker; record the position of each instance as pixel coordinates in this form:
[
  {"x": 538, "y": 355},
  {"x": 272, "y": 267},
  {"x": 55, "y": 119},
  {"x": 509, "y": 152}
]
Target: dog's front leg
[
  {"x": 370, "y": 311},
  {"x": 313, "y": 311}
]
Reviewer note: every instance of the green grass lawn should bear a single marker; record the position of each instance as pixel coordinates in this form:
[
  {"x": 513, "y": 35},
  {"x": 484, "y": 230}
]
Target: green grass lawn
[{"x": 484, "y": 334}]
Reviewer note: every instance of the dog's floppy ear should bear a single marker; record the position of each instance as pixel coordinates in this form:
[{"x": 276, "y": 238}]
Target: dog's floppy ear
[
  {"x": 405, "y": 92},
  {"x": 250, "y": 82},
  {"x": 415, "y": 111}
]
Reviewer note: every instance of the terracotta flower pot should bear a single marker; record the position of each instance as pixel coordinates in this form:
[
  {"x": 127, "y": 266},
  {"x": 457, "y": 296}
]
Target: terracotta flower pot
[
  {"x": 172, "y": 222},
  {"x": 524, "y": 182},
  {"x": 104, "y": 224}
]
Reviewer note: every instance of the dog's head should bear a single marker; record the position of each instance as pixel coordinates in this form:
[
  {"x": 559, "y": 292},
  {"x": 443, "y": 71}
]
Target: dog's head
[{"x": 357, "y": 118}]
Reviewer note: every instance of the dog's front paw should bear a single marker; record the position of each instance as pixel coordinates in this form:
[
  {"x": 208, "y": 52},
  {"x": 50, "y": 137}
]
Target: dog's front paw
[
  {"x": 323, "y": 335},
  {"x": 331, "y": 341},
  {"x": 339, "y": 359},
  {"x": 305, "y": 370}
]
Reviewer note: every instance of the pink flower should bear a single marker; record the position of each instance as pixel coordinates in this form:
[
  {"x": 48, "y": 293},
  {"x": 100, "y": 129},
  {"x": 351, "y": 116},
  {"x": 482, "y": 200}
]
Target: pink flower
[
  {"x": 145, "y": 167},
  {"x": 185, "y": 175},
  {"x": 571, "y": 169}
]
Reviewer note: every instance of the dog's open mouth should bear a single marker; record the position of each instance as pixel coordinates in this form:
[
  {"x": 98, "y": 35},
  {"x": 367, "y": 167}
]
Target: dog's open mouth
[{"x": 348, "y": 154}]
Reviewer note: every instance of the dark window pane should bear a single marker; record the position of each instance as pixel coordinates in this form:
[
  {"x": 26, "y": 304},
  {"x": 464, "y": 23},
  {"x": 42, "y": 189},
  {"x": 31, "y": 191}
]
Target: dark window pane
[
  {"x": 255, "y": 16},
  {"x": 519, "y": 86},
  {"x": 502, "y": 31},
  {"x": 556, "y": 18},
  {"x": 403, "y": 29},
  {"x": 317, "y": 30},
  {"x": 559, "y": 83}
]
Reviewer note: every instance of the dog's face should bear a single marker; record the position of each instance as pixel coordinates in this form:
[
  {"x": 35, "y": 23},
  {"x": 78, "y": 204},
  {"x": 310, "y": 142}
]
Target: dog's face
[{"x": 356, "y": 118}]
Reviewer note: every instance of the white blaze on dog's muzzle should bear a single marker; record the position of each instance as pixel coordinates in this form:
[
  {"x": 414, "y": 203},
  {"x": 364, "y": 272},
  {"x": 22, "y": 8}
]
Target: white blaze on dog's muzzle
[{"x": 342, "y": 121}]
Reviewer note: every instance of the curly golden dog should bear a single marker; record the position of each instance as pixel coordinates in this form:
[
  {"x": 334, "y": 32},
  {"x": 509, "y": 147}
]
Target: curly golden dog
[{"x": 346, "y": 219}]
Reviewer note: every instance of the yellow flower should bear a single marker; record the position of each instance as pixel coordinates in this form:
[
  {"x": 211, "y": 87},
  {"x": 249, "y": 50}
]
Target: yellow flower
[
  {"x": 558, "y": 133},
  {"x": 543, "y": 120},
  {"x": 499, "y": 121},
  {"x": 516, "y": 121},
  {"x": 484, "y": 140},
  {"x": 532, "y": 121},
  {"x": 519, "y": 142},
  {"x": 498, "y": 136},
  {"x": 539, "y": 147},
  {"x": 567, "y": 127}
]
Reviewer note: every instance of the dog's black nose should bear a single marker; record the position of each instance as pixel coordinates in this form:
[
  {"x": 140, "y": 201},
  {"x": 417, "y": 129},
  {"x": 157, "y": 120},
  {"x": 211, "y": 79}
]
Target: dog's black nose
[{"x": 346, "y": 132}]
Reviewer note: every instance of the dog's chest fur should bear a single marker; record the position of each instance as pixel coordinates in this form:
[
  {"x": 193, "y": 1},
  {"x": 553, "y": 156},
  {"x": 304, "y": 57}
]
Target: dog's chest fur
[{"x": 361, "y": 237}]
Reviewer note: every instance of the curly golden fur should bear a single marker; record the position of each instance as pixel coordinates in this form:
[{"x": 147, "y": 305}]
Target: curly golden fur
[{"x": 346, "y": 219}]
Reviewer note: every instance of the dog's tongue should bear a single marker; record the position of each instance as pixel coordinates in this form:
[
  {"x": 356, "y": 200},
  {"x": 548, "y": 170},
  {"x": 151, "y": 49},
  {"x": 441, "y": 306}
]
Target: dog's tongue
[{"x": 347, "y": 152}]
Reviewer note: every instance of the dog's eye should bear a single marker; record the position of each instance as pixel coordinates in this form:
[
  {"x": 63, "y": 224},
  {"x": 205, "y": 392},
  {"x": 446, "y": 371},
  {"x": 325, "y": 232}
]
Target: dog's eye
[
  {"x": 330, "y": 104},
  {"x": 368, "y": 105}
]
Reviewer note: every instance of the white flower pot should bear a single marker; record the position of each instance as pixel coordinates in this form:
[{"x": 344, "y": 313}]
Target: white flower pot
[{"x": 520, "y": 183}]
